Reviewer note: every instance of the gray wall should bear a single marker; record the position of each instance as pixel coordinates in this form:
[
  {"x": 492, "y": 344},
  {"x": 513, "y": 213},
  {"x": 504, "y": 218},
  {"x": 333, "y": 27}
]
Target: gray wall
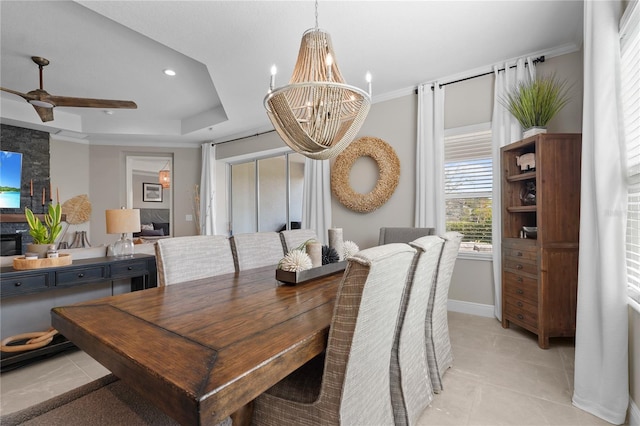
[
  {"x": 466, "y": 103},
  {"x": 99, "y": 171}
]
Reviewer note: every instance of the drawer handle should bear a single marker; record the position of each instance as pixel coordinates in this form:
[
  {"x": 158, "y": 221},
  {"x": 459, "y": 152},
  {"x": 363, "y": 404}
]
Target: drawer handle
[
  {"x": 519, "y": 254},
  {"x": 519, "y": 304},
  {"x": 520, "y": 316},
  {"x": 519, "y": 291},
  {"x": 80, "y": 275},
  {"x": 518, "y": 266},
  {"x": 130, "y": 268},
  {"x": 519, "y": 279},
  {"x": 18, "y": 284}
]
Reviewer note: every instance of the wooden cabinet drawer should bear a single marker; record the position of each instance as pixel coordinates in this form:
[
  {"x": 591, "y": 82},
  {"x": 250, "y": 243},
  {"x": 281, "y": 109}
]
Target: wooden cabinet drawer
[
  {"x": 80, "y": 276},
  {"x": 520, "y": 266},
  {"x": 128, "y": 269},
  {"x": 520, "y": 287},
  {"x": 24, "y": 284},
  {"x": 525, "y": 253},
  {"x": 521, "y": 244},
  {"x": 522, "y": 313}
]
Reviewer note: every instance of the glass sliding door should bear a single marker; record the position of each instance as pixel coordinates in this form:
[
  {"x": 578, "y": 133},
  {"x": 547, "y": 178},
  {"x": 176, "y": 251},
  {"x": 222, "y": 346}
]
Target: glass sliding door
[
  {"x": 296, "y": 183},
  {"x": 266, "y": 194},
  {"x": 244, "y": 210},
  {"x": 272, "y": 194}
]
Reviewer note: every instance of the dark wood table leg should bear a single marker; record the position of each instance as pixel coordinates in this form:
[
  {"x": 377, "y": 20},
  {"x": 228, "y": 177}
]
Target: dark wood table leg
[{"x": 242, "y": 417}]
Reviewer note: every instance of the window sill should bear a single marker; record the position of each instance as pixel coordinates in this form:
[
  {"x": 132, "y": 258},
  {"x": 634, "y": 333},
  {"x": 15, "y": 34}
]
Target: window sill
[{"x": 466, "y": 255}]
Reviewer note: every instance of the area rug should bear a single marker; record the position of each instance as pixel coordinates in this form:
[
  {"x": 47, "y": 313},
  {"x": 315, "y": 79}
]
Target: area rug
[{"x": 103, "y": 402}]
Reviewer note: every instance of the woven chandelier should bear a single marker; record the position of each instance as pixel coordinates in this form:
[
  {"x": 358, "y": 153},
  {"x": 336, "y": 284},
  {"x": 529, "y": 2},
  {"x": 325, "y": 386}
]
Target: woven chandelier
[{"x": 317, "y": 114}]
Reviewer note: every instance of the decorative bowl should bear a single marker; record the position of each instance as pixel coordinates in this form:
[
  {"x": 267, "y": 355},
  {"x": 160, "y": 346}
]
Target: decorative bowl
[{"x": 530, "y": 232}]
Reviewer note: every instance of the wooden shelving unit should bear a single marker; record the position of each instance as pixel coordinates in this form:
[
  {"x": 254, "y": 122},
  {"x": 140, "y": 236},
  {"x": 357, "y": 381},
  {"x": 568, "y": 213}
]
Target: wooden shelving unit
[{"x": 540, "y": 276}]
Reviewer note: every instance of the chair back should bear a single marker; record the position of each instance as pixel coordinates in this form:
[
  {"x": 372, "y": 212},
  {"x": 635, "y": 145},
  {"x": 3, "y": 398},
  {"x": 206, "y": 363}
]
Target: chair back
[
  {"x": 411, "y": 390},
  {"x": 439, "y": 352},
  {"x": 183, "y": 259},
  {"x": 402, "y": 235},
  {"x": 294, "y": 238},
  {"x": 358, "y": 355},
  {"x": 255, "y": 250}
]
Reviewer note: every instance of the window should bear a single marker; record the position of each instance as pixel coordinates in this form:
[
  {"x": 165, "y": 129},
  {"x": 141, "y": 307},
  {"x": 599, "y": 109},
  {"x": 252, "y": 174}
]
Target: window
[
  {"x": 630, "y": 73},
  {"x": 468, "y": 185}
]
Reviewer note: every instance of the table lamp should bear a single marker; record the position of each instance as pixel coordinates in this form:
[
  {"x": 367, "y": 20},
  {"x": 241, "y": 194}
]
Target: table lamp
[{"x": 122, "y": 221}]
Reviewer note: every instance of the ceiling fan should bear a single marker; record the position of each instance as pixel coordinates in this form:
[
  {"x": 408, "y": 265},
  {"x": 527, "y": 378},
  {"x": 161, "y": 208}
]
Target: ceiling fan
[{"x": 44, "y": 103}]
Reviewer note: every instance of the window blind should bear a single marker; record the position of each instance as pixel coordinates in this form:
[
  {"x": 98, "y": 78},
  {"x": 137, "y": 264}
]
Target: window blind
[
  {"x": 468, "y": 165},
  {"x": 630, "y": 85},
  {"x": 468, "y": 171}
]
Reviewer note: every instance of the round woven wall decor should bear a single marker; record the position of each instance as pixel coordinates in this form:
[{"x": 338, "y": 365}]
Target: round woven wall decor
[{"x": 389, "y": 171}]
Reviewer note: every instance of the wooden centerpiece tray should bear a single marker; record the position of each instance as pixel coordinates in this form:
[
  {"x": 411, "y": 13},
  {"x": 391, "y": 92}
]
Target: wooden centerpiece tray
[
  {"x": 302, "y": 276},
  {"x": 21, "y": 264}
]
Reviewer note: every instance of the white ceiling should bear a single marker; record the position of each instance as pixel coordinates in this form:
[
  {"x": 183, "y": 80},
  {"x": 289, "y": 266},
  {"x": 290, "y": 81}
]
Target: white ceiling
[{"x": 223, "y": 51}]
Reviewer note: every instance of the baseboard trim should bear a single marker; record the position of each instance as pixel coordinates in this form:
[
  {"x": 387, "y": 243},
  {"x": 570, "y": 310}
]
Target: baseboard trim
[
  {"x": 634, "y": 413},
  {"x": 471, "y": 308}
]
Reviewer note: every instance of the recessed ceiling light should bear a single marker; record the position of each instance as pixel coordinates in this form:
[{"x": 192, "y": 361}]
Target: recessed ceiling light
[
  {"x": 106, "y": 111},
  {"x": 169, "y": 72}
]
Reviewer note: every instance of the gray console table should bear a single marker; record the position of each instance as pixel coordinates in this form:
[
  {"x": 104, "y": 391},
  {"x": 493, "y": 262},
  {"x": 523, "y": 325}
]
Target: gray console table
[{"x": 140, "y": 269}]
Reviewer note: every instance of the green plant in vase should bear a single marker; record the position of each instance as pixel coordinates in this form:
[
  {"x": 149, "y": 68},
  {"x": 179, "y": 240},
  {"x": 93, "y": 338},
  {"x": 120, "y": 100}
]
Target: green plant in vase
[
  {"x": 534, "y": 103},
  {"x": 47, "y": 232}
]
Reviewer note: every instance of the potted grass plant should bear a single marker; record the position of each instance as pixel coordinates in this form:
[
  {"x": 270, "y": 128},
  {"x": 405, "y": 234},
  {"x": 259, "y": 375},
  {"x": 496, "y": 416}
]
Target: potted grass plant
[
  {"x": 44, "y": 234},
  {"x": 534, "y": 103}
]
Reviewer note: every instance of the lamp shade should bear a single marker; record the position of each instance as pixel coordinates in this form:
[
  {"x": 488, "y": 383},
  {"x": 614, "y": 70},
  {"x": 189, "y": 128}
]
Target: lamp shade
[{"x": 122, "y": 221}]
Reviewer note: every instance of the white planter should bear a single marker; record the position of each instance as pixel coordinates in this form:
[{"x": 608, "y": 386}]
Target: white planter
[{"x": 533, "y": 131}]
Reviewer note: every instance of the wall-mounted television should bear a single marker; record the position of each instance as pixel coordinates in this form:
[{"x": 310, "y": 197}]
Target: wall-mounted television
[{"x": 10, "y": 179}]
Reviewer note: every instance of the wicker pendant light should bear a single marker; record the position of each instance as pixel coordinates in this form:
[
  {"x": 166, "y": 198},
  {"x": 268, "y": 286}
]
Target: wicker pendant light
[
  {"x": 164, "y": 177},
  {"x": 317, "y": 114}
]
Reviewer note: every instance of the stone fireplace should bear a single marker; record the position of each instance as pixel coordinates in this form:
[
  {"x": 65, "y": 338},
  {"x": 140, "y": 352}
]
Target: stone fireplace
[{"x": 34, "y": 147}]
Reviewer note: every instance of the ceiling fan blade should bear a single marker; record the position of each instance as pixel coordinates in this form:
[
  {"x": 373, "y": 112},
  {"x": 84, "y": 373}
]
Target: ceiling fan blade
[
  {"x": 65, "y": 101},
  {"x": 24, "y": 96},
  {"x": 46, "y": 114}
]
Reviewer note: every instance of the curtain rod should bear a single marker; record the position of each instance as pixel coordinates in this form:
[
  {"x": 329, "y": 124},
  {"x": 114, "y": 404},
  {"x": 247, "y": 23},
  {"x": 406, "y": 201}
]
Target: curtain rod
[
  {"x": 244, "y": 137},
  {"x": 535, "y": 61}
]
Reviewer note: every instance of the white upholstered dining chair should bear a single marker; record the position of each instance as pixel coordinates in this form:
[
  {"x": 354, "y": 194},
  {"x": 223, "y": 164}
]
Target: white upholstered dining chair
[
  {"x": 257, "y": 249},
  {"x": 439, "y": 352},
  {"x": 350, "y": 384},
  {"x": 411, "y": 391},
  {"x": 294, "y": 238},
  {"x": 183, "y": 259}
]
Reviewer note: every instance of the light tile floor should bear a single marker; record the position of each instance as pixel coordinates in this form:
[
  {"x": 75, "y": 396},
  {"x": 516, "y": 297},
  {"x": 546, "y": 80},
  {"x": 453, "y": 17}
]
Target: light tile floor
[{"x": 499, "y": 377}]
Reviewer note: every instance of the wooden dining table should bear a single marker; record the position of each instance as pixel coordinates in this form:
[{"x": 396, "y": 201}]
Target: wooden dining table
[{"x": 202, "y": 350}]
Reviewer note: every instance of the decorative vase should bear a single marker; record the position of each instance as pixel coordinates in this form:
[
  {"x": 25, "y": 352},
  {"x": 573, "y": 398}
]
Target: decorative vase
[
  {"x": 528, "y": 194},
  {"x": 41, "y": 249},
  {"x": 531, "y": 131}
]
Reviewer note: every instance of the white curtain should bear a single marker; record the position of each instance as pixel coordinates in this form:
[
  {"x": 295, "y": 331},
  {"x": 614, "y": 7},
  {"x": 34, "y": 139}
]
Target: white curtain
[
  {"x": 316, "y": 198},
  {"x": 430, "y": 201},
  {"x": 601, "y": 381},
  {"x": 208, "y": 190},
  {"x": 505, "y": 129}
]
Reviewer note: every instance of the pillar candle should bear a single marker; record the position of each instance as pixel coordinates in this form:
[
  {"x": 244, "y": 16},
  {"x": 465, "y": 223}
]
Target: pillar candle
[
  {"x": 50, "y": 192},
  {"x": 57, "y": 195},
  {"x": 314, "y": 250},
  {"x": 43, "y": 195},
  {"x": 335, "y": 241},
  {"x": 31, "y": 188}
]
